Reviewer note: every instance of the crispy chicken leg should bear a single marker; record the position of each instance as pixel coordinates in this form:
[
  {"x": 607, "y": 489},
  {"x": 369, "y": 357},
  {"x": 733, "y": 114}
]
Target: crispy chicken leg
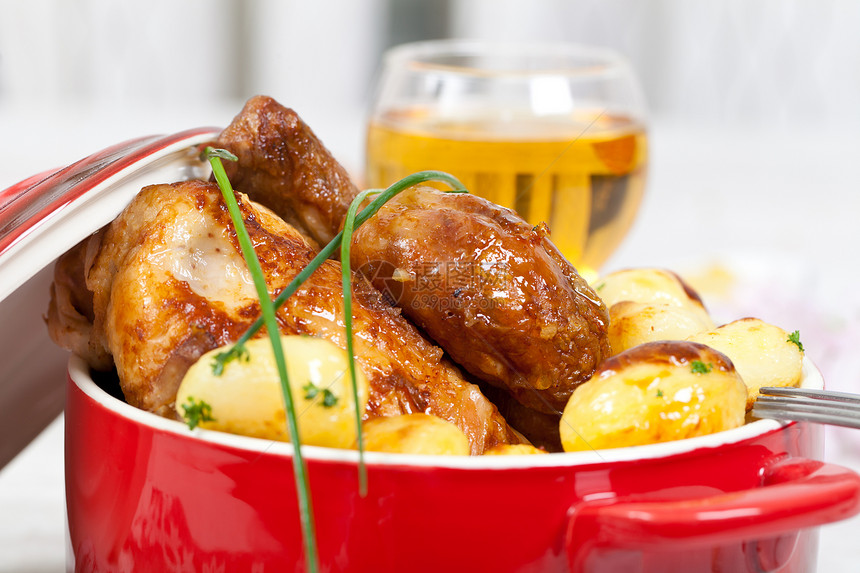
[
  {"x": 284, "y": 166},
  {"x": 168, "y": 283}
]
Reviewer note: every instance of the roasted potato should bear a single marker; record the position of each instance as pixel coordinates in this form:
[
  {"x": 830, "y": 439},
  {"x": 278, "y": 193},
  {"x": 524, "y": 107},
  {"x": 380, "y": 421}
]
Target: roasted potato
[
  {"x": 653, "y": 287},
  {"x": 633, "y": 323},
  {"x": 762, "y": 353},
  {"x": 414, "y": 434},
  {"x": 513, "y": 450},
  {"x": 655, "y": 392},
  {"x": 246, "y": 398}
]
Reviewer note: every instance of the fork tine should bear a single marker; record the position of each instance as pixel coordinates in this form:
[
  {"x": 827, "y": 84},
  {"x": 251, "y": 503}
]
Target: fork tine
[
  {"x": 821, "y": 394},
  {"x": 820, "y": 406},
  {"x": 815, "y": 403},
  {"x": 808, "y": 406},
  {"x": 832, "y": 419}
]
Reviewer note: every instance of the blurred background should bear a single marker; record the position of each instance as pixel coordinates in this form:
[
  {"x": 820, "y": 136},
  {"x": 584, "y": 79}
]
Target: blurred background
[
  {"x": 754, "y": 125},
  {"x": 773, "y": 64}
]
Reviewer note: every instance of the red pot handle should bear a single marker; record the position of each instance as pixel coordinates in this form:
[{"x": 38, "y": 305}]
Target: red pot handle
[{"x": 796, "y": 493}]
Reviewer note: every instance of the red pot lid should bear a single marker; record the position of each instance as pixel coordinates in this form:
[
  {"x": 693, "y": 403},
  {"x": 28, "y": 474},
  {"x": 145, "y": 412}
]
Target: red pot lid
[{"x": 42, "y": 217}]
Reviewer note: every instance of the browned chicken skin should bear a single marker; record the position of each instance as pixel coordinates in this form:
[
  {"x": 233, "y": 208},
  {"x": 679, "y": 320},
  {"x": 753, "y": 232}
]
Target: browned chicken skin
[
  {"x": 168, "y": 283},
  {"x": 284, "y": 166},
  {"x": 490, "y": 289},
  {"x": 70, "y": 311}
]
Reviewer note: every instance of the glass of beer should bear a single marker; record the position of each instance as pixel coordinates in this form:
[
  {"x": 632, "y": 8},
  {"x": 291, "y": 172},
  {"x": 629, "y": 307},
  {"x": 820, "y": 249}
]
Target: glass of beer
[{"x": 555, "y": 132}]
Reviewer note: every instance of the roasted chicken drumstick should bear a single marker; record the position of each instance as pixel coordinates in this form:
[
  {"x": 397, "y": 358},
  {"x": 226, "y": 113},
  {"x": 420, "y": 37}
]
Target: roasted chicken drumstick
[{"x": 284, "y": 166}]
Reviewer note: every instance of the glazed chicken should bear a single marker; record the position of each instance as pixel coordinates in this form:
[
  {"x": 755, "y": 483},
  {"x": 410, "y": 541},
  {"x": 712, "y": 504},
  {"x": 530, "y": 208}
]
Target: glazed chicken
[
  {"x": 485, "y": 285},
  {"x": 168, "y": 283},
  {"x": 284, "y": 166},
  {"x": 490, "y": 289}
]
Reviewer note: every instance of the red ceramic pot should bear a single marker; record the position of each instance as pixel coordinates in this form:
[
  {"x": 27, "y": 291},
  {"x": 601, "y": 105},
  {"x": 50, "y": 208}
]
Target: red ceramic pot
[{"x": 148, "y": 494}]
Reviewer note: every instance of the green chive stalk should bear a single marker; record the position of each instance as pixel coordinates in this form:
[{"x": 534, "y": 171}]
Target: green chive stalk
[
  {"x": 268, "y": 311},
  {"x": 269, "y": 307},
  {"x": 346, "y": 241}
]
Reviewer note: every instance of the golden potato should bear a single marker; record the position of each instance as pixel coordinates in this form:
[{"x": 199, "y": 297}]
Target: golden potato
[
  {"x": 513, "y": 450},
  {"x": 633, "y": 323},
  {"x": 762, "y": 353},
  {"x": 655, "y": 392},
  {"x": 653, "y": 287},
  {"x": 414, "y": 434},
  {"x": 246, "y": 398}
]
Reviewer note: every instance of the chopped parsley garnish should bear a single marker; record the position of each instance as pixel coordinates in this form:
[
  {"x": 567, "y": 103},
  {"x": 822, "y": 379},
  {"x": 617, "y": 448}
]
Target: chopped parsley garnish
[
  {"x": 329, "y": 399},
  {"x": 312, "y": 391},
  {"x": 699, "y": 367},
  {"x": 196, "y": 412},
  {"x": 794, "y": 338},
  {"x": 236, "y": 352},
  {"x": 659, "y": 393}
]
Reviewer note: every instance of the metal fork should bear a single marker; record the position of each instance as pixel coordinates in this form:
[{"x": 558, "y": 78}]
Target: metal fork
[{"x": 821, "y": 406}]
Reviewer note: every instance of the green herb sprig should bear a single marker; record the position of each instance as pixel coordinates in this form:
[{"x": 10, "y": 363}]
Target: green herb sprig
[
  {"x": 196, "y": 412},
  {"x": 239, "y": 353},
  {"x": 268, "y": 311},
  {"x": 329, "y": 399},
  {"x": 346, "y": 280},
  {"x": 794, "y": 338},
  {"x": 699, "y": 367}
]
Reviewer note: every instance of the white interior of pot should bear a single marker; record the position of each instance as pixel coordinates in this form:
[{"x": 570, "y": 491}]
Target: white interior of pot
[{"x": 80, "y": 375}]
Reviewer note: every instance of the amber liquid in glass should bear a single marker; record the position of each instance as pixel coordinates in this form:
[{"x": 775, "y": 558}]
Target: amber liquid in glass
[{"x": 582, "y": 174}]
